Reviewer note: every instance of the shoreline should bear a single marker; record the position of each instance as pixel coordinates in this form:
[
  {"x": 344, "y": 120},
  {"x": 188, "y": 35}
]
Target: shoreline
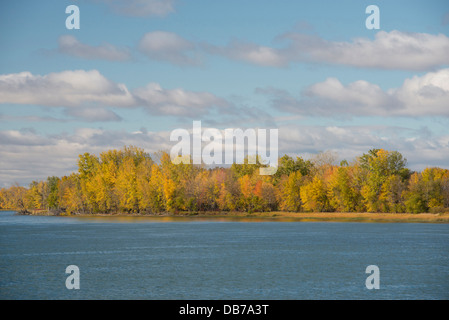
[{"x": 269, "y": 216}]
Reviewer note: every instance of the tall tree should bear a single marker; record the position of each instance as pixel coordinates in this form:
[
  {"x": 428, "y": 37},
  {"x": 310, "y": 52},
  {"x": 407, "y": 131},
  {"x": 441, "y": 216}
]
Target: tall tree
[
  {"x": 290, "y": 196},
  {"x": 314, "y": 196},
  {"x": 343, "y": 192}
]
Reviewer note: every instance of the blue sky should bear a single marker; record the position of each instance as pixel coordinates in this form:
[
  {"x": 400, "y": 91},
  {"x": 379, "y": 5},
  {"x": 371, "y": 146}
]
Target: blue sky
[{"x": 138, "y": 69}]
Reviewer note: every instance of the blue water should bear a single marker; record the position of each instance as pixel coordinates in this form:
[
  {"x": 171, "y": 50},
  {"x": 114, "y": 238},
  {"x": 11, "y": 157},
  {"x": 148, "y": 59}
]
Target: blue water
[{"x": 150, "y": 259}]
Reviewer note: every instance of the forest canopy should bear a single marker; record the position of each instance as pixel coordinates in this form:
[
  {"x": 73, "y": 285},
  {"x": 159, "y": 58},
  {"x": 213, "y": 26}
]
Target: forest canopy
[{"x": 131, "y": 181}]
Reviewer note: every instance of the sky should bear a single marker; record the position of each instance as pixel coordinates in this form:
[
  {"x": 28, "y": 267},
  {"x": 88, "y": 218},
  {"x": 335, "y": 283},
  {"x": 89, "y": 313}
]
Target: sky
[{"x": 136, "y": 70}]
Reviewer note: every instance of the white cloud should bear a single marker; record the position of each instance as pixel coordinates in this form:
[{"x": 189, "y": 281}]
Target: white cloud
[
  {"x": 168, "y": 46},
  {"x": 249, "y": 52},
  {"x": 389, "y": 50},
  {"x": 177, "y": 101},
  {"x": 426, "y": 95},
  {"x": 87, "y": 94},
  {"x": 68, "y": 44},
  {"x": 141, "y": 8},
  {"x": 66, "y": 88},
  {"x": 394, "y": 50}
]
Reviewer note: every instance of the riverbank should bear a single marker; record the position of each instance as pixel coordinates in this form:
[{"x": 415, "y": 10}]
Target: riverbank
[{"x": 274, "y": 216}]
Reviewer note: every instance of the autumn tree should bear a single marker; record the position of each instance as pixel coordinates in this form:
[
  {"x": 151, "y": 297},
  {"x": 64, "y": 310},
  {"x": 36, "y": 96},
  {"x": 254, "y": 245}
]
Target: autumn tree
[
  {"x": 16, "y": 198},
  {"x": 143, "y": 186},
  {"x": 126, "y": 186},
  {"x": 427, "y": 191},
  {"x": 380, "y": 164},
  {"x": 229, "y": 192},
  {"x": 391, "y": 196},
  {"x": 415, "y": 200},
  {"x": 129, "y": 181},
  {"x": 344, "y": 194},
  {"x": 70, "y": 194},
  {"x": 87, "y": 168},
  {"x": 157, "y": 200},
  {"x": 34, "y": 198},
  {"x": 314, "y": 196},
  {"x": 289, "y": 192}
]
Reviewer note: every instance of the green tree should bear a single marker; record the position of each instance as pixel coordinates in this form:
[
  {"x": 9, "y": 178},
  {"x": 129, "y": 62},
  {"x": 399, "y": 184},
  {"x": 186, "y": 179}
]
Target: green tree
[
  {"x": 52, "y": 192},
  {"x": 415, "y": 201},
  {"x": 379, "y": 165},
  {"x": 287, "y": 165},
  {"x": 343, "y": 192},
  {"x": 248, "y": 167}
]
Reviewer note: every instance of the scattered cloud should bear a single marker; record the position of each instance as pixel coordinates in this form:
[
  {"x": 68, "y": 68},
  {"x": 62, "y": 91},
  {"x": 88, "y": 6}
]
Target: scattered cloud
[
  {"x": 169, "y": 47},
  {"x": 426, "y": 95},
  {"x": 249, "y": 52},
  {"x": 389, "y": 50},
  {"x": 177, "y": 102},
  {"x": 69, "y": 45},
  {"x": 63, "y": 89},
  {"x": 394, "y": 50},
  {"x": 87, "y": 94}
]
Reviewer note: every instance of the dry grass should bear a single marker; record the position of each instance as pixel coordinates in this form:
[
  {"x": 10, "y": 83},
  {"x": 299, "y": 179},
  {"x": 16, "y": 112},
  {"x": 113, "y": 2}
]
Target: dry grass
[
  {"x": 354, "y": 217},
  {"x": 280, "y": 216}
]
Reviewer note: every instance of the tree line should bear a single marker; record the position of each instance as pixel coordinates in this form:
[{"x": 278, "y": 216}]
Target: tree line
[{"x": 129, "y": 180}]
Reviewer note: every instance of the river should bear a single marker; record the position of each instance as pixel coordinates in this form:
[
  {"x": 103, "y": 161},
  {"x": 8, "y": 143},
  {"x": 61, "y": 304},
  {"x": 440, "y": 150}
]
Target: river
[{"x": 219, "y": 259}]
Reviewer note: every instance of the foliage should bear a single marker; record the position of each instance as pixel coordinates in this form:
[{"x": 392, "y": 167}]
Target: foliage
[{"x": 129, "y": 181}]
